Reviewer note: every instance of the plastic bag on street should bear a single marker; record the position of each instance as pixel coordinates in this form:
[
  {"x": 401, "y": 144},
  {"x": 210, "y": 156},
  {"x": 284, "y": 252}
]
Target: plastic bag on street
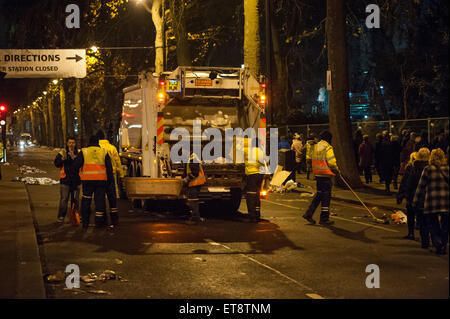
[{"x": 399, "y": 217}]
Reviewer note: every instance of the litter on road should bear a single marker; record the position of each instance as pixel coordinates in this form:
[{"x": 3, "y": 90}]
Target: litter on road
[
  {"x": 36, "y": 180},
  {"x": 30, "y": 170}
]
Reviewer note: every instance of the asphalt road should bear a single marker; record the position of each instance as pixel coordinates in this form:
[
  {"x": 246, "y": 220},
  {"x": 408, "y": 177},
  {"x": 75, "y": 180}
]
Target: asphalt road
[{"x": 282, "y": 257}]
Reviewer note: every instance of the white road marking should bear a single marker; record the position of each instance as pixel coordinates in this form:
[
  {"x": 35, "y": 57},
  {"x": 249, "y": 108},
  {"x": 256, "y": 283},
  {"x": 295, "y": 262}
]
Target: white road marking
[
  {"x": 311, "y": 295},
  {"x": 340, "y": 218}
]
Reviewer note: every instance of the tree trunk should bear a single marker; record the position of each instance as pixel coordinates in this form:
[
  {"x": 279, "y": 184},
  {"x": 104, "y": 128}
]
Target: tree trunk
[
  {"x": 158, "y": 22},
  {"x": 339, "y": 109},
  {"x": 78, "y": 111},
  {"x": 179, "y": 29},
  {"x": 46, "y": 129},
  {"x": 51, "y": 122},
  {"x": 280, "y": 85},
  {"x": 251, "y": 37},
  {"x": 33, "y": 125},
  {"x": 62, "y": 99}
]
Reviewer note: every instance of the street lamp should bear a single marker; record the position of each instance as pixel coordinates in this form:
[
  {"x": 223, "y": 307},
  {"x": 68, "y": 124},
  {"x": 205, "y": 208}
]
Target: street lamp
[
  {"x": 55, "y": 82},
  {"x": 94, "y": 49}
]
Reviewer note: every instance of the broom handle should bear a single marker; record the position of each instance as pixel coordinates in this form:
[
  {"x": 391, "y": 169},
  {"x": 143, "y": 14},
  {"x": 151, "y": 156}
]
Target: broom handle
[{"x": 357, "y": 196}]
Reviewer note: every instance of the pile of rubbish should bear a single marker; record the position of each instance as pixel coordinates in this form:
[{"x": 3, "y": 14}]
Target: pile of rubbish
[
  {"x": 88, "y": 281},
  {"x": 30, "y": 170},
  {"x": 36, "y": 180},
  {"x": 281, "y": 189}
]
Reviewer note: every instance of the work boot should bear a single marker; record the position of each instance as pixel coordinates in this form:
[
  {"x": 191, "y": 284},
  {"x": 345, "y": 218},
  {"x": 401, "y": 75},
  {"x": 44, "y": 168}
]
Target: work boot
[
  {"x": 114, "y": 218},
  {"x": 99, "y": 219},
  {"x": 326, "y": 222},
  {"x": 309, "y": 219}
]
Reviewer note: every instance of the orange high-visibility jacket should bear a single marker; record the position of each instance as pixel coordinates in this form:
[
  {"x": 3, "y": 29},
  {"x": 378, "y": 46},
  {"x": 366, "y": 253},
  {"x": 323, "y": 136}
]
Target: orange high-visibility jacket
[
  {"x": 200, "y": 179},
  {"x": 323, "y": 159},
  {"x": 94, "y": 168}
]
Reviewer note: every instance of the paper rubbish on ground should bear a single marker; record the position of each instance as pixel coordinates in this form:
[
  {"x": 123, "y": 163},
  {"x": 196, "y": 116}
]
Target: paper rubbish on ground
[{"x": 399, "y": 217}]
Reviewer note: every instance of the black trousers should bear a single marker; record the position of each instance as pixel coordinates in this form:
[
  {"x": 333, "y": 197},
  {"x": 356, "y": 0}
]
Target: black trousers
[
  {"x": 112, "y": 200},
  {"x": 438, "y": 229},
  {"x": 423, "y": 227},
  {"x": 193, "y": 201},
  {"x": 367, "y": 173},
  {"x": 323, "y": 197},
  {"x": 98, "y": 190},
  {"x": 254, "y": 182}
]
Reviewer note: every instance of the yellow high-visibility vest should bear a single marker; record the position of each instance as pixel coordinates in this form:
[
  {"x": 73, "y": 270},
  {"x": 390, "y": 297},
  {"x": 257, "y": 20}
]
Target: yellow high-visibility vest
[
  {"x": 1, "y": 150},
  {"x": 323, "y": 158},
  {"x": 94, "y": 168},
  {"x": 252, "y": 157},
  {"x": 114, "y": 155}
]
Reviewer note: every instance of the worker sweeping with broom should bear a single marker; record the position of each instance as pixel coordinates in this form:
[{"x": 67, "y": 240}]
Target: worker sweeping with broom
[{"x": 324, "y": 166}]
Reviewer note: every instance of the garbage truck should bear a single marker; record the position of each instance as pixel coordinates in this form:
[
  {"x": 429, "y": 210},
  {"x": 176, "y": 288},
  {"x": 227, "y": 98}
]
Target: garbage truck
[{"x": 160, "y": 105}]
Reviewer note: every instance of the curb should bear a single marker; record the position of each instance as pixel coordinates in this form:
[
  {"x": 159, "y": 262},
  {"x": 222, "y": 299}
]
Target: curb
[{"x": 29, "y": 283}]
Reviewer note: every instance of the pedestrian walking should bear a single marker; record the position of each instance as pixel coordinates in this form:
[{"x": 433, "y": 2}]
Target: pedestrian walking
[
  {"x": 386, "y": 160},
  {"x": 407, "y": 190},
  {"x": 312, "y": 140},
  {"x": 396, "y": 150},
  {"x": 432, "y": 195},
  {"x": 366, "y": 154},
  {"x": 297, "y": 146},
  {"x": 254, "y": 159},
  {"x": 111, "y": 186},
  {"x": 195, "y": 178},
  {"x": 69, "y": 178},
  {"x": 406, "y": 151},
  {"x": 378, "y": 138},
  {"x": 324, "y": 166},
  {"x": 402, "y": 194},
  {"x": 96, "y": 172}
]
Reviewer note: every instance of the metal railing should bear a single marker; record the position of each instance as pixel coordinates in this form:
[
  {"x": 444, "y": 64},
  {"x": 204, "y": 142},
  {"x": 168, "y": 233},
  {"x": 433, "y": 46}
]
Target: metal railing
[{"x": 431, "y": 127}]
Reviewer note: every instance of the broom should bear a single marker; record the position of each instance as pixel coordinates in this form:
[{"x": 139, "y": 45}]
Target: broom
[{"x": 377, "y": 220}]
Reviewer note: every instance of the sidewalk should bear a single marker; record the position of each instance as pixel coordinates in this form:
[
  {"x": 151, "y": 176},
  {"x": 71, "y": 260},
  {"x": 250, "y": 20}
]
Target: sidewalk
[
  {"x": 372, "y": 195},
  {"x": 20, "y": 268}
]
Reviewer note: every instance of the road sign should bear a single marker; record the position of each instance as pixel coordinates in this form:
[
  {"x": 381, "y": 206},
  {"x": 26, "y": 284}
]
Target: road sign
[{"x": 61, "y": 63}]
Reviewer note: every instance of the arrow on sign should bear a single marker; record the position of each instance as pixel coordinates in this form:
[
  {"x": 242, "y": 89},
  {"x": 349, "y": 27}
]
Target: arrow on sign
[{"x": 76, "y": 57}]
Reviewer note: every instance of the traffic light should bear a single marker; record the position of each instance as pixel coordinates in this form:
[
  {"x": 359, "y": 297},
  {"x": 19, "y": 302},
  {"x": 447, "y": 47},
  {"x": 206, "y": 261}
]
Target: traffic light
[{"x": 3, "y": 110}]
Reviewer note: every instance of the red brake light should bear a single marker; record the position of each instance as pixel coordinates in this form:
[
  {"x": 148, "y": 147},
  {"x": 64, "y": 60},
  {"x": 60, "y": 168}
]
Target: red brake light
[{"x": 2, "y": 108}]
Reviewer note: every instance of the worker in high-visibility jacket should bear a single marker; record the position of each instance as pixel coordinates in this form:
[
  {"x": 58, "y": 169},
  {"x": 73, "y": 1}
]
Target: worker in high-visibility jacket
[
  {"x": 324, "y": 167},
  {"x": 311, "y": 141},
  {"x": 96, "y": 171},
  {"x": 69, "y": 178},
  {"x": 111, "y": 186},
  {"x": 195, "y": 178},
  {"x": 253, "y": 157}
]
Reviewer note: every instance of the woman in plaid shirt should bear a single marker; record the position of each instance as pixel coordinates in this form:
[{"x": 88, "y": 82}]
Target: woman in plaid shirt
[{"x": 432, "y": 196}]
